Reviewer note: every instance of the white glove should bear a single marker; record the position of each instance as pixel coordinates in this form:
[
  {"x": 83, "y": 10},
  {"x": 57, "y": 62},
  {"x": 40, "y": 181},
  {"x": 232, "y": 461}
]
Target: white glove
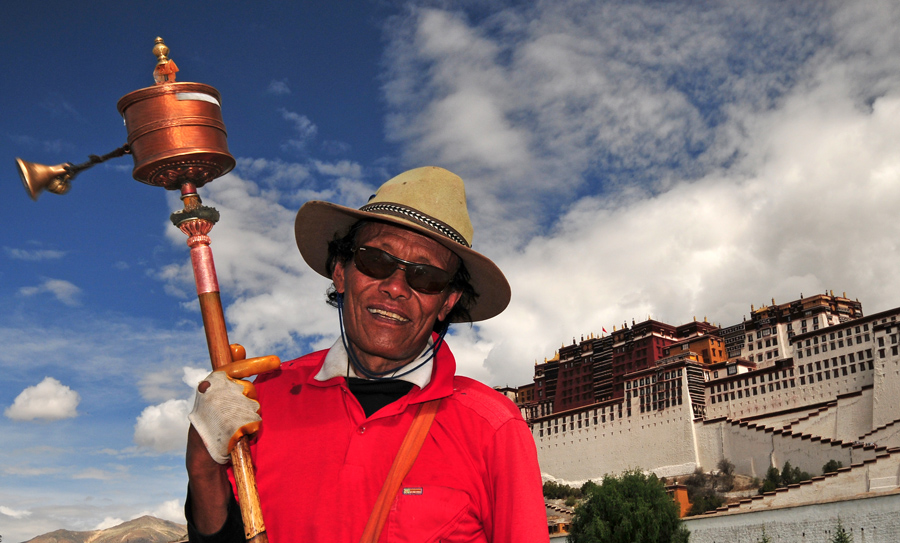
[
  {"x": 223, "y": 414},
  {"x": 227, "y": 409}
]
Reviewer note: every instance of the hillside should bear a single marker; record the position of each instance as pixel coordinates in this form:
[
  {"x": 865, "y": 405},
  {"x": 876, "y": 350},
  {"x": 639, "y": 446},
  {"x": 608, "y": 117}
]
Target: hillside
[{"x": 145, "y": 529}]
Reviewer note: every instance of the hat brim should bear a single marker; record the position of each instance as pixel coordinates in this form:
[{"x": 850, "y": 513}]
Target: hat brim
[{"x": 318, "y": 223}]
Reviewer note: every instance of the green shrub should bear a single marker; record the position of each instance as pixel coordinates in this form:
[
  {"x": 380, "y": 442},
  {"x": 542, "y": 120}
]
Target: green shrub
[{"x": 631, "y": 508}]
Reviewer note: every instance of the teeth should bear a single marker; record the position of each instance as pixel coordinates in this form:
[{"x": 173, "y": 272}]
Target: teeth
[{"x": 387, "y": 314}]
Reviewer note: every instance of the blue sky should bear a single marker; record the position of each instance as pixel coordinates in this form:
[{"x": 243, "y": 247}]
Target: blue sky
[{"x": 622, "y": 160}]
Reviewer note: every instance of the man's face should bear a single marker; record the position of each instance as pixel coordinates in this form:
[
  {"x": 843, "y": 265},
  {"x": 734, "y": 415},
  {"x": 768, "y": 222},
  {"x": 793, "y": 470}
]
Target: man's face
[{"x": 386, "y": 322}]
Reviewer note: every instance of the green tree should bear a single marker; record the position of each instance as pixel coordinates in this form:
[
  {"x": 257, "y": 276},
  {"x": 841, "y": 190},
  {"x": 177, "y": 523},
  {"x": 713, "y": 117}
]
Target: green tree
[
  {"x": 696, "y": 480},
  {"x": 772, "y": 480},
  {"x": 832, "y": 466},
  {"x": 841, "y": 535},
  {"x": 705, "y": 499},
  {"x": 789, "y": 475},
  {"x": 702, "y": 488},
  {"x": 630, "y": 508},
  {"x": 725, "y": 478},
  {"x": 557, "y": 491}
]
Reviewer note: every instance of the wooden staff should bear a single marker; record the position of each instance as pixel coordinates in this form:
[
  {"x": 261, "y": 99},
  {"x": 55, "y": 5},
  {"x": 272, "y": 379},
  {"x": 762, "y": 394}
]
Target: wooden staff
[{"x": 196, "y": 221}]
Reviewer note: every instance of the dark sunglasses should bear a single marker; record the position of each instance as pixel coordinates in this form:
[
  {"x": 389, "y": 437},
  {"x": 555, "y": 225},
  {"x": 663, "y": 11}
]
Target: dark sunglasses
[{"x": 380, "y": 265}]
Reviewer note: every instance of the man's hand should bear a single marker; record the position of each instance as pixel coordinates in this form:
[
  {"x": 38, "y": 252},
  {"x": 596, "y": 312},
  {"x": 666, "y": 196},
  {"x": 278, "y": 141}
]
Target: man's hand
[
  {"x": 225, "y": 406},
  {"x": 225, "y": 409}
]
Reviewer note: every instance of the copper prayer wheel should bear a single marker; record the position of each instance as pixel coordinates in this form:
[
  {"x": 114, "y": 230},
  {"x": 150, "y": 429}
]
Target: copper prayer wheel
[{"x": 176, "y": 134}]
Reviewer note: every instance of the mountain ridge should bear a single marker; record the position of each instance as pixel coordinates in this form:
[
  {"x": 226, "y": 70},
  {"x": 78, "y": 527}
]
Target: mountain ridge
[{"x": 145, "y": 529}]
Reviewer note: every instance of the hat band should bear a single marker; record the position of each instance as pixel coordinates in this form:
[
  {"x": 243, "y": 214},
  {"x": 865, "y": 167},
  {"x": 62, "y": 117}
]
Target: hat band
[{"x": 405, "y": 212}]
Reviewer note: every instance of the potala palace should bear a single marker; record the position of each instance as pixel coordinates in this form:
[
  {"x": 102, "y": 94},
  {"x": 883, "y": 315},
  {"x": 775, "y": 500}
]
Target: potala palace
[{"x": 803, "y": 382}]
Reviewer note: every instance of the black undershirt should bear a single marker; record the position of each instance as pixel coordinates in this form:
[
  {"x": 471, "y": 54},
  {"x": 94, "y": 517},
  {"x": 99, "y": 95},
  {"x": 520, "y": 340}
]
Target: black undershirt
[{"x": 373, "y": 395}]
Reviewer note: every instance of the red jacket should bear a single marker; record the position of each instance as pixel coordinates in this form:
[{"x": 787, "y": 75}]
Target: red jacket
[{"x": 320, "y": 462}]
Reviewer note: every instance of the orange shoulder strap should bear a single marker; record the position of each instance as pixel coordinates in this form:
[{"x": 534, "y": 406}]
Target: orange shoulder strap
[{"x": 407, "y": 454}]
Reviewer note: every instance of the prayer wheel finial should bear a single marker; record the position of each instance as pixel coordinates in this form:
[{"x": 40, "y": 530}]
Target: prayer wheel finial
[{"x": 165, "y": 67}]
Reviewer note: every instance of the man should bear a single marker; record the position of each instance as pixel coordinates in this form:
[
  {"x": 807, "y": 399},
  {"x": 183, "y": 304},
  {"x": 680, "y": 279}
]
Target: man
[{"x": 333, "y": 421}]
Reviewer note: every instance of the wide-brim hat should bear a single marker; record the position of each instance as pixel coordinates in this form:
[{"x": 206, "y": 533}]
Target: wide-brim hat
[{"x": 430, "y": 201}]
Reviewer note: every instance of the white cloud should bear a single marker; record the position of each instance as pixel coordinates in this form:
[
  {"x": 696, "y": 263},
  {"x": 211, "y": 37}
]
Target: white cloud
[
  {"x": 193, "y": 376},
  {"x": 470, "y": 351},
  {"x": 278, "y": 87},
  {"x": 62, "y": 290},
  {"x": 97, "y": 474},
  {"x": 14, "y": 513},
  {"x": 273, "y": 172},
  {"x": 108, "y": 522},
  {"x": 110, "y": 352},
  {"x": 47, "y": 400},
  {"x": 168, "y": 385},
  {"x": 171, "y": 510},
  {"x": 305, "y": 129},
  {"x": 343, "y": 169},
  {"x": 21, "y": 471},
  {"x": 34, "y": 255},
  {"x": 163, "y": 428},
  {"x": 159, "y": 386},
  {"x": 538, "y": 104}
]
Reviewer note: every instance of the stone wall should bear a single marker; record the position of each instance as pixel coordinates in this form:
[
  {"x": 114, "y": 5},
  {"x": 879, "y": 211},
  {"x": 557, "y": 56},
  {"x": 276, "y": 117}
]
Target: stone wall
[
  {"x": 887, "y": 436},
  {"x": 749, "y": 449},
  {"x": 820, "y": 423},
  {"x": 753, "y": 449},
  {"x": 886, "y": 401},
  {"x": 661, "y": 441},
  {"x": 789, "y": 396},
  {"x": 871, "y": 519},
  {"x": 854, "y": 414}
]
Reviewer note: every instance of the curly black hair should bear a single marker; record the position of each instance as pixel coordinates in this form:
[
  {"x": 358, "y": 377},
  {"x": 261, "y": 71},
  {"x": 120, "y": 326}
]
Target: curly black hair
[{"x": 341, "y": 249}]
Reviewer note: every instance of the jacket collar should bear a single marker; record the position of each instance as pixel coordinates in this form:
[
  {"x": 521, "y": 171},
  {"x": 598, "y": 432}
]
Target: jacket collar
[
  {"x": 433, "y": 380},
  {"x": 337, "y": 365}
]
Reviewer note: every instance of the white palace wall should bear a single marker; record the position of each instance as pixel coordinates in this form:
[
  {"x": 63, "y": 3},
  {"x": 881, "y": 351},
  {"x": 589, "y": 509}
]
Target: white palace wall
[
  {"x": 670, "y": 442},
  {"x": 810, "y": 453},
  {"x": 787, "y": 392},
  {"x": 864, "y": 496},
  {"x": 710, "y": 443},
  {"x": 873, "y": 475},
  {"x": 590, "y": 442},
  {"x": 754, "y": 448},
  {"x": 662, "y": 442},
  {"x": 844, "y": 419},
  {"x": 887, "y": 437},
  {"x": 871, "y": 519},
  {"x": 854, "y": 414},
  {"x": 886, "y": 401}
]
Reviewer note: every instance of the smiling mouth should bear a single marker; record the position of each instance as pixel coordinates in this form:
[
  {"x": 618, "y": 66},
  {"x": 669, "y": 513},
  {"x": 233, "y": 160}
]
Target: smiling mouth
[{"x": 387, "y": 314}]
